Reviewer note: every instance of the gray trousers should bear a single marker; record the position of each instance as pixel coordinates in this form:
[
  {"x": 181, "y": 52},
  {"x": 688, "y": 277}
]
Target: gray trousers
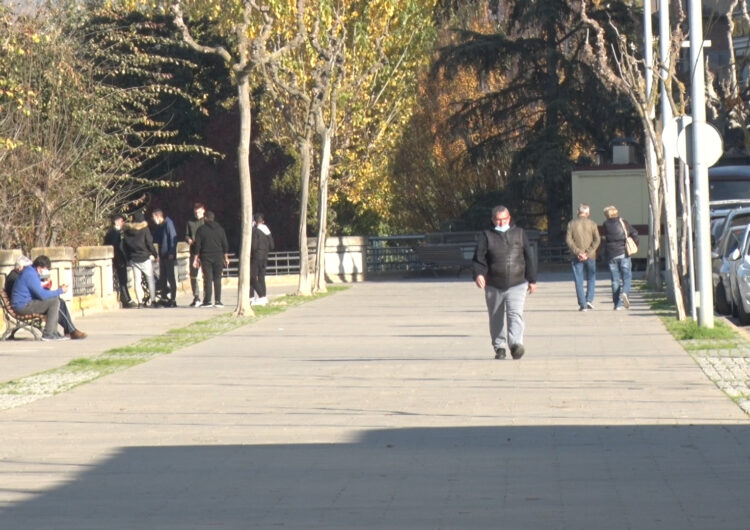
[
  {"x": 50, "y": 308},
  {"x": 145, "y": 268},
  {"x": 505, "y": 307}
]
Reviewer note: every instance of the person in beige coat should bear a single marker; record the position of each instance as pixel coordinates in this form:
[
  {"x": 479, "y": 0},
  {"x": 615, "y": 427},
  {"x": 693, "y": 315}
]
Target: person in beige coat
[{"x": 583, "y": 240}]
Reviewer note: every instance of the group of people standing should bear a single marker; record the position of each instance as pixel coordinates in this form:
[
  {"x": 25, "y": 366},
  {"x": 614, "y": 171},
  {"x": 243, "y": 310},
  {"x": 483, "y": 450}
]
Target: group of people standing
[
  {"x": 135, "y": 253},
  {"x": 503, "y": 266}
]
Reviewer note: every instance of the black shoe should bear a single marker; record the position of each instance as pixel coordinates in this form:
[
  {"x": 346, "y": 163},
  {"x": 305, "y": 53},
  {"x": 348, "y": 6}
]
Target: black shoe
[
  {"x": 196, "y": 302},
  {"x": 171, "y": 303},
  {"x": 500, "y": 353},
  {"x": 517, "y": 351},
  {"x": 218, "y": 304},
  {"x": 129, "y": 305}
]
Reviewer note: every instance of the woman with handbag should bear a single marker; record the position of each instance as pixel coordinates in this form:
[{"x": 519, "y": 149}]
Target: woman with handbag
[{"x": 621, "y": 240}]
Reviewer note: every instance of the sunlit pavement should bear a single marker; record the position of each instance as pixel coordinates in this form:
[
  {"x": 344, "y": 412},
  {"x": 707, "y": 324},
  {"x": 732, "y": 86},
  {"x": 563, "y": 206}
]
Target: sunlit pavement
[{"x": 382, "y": 407}]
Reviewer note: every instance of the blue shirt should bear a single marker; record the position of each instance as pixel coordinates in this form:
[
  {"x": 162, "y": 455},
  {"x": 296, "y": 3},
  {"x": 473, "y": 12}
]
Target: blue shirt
[
  {"x": 166, "y": 236},
  {"x": 28, "y": 287}
]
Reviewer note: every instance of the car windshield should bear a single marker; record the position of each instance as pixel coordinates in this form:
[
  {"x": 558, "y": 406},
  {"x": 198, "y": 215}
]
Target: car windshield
[
  {"x": 733, "y": 240},
  {"x": 717, "y": 227},
  {"x": 723, "y": 190}
]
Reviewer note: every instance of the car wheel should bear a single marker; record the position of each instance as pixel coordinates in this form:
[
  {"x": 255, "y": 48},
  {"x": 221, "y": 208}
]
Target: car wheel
[{"x": 720, "y": 300}]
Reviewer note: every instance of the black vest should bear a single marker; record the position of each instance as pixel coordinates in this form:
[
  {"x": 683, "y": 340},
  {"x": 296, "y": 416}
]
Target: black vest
[{"x": 505, "y": 259}]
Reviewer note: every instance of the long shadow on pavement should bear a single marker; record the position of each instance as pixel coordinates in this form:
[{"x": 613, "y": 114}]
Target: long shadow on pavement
[{"x": 474, "y": 477}]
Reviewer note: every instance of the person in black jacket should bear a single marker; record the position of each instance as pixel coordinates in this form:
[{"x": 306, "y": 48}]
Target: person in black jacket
[
  {"x": 199, "y": 211},
  {"x": 138, "y": 245},
  {"x": 616, "y": 230},
  {"x": 119, "y": 262},
  {"x": 262, "y": 244},
  {"x": 504, "y": 267},
  {"x": 212, "y": 254},
  {"x": 166, "y": 237}
]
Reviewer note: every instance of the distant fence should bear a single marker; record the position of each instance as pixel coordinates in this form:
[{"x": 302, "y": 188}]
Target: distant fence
[{"x": 387, "y": 254}]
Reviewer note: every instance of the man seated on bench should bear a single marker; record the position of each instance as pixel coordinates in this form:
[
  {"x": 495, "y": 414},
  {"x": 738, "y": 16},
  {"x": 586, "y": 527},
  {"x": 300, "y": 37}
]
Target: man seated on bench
[
  {"x": 64, "y": 318},
  {"x": 28, "y": 296}
]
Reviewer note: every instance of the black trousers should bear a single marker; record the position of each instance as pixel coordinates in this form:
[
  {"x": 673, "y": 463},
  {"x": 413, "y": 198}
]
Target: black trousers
[
  {"x": 212, "y": 267},
  {"x": 258, "y": 277},
  {"x": 167, "y": 279},
  {"x": 64, "y": 319},
  {"x": 121, "y": 282}
]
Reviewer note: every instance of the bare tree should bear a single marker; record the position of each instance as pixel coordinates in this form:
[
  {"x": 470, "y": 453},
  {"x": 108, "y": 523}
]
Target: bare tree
[
  {"x": 619, "y": 67},
  {"x": 249, "y": 54}
]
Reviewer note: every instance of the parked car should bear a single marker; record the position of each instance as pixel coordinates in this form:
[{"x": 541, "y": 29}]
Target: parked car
[
  {"x": 719, "y": 210},
  {"x": 729, "y": 240},
  {"x": 739, "y": 279},
  {"x": 728, "y": 183}
]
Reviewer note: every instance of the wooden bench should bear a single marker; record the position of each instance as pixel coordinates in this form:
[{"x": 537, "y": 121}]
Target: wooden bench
[
  {"x": 32, "y": 323},
  {"x": 435, "y": 257}
]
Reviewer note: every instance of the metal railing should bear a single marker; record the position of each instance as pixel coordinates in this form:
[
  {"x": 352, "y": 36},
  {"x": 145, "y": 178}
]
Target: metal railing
[
  {"x": 279, "y": 263},
  {"x": 396, "y": 253},
  {"x": 83, "y": 281}
]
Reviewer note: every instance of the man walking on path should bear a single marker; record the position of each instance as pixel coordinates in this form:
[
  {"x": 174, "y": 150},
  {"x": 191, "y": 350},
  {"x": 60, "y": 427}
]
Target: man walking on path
[
  {"x": 504, "y": 268},
  {"x": 212, "y": 254},
  {"x": 583, "y": 240},
  {"x": 199, "y": 211},
  {"x": 262, "y": 244},
  {"x": 166, "y": 237}
]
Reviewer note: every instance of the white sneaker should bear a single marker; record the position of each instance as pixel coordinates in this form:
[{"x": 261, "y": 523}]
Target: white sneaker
[
  {"x": 625, "y": 300},
  {"x": 260, "y": 301}
]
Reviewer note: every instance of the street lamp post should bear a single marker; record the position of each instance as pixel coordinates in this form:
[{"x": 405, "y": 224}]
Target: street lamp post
[{"x": 700, "y": 168}]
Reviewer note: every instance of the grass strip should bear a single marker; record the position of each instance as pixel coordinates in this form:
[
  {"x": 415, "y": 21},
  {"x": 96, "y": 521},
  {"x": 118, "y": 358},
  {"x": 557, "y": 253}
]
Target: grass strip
[{"x": 86, "y": 369}]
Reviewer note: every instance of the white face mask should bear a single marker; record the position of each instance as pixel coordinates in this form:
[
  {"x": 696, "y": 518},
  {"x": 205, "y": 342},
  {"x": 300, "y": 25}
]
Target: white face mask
[
  {"x": 44, "y": 274},
  {"x": 503, "y": 228}
]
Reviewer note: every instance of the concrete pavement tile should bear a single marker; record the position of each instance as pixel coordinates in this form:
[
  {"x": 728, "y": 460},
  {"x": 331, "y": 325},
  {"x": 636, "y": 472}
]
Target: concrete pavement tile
[{"x": 381, "y": 407}]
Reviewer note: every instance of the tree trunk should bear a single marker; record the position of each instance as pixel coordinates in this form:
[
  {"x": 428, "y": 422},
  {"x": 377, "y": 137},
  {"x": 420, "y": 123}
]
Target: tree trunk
[
  {"x": 246, "y": 195},
  {"x": 653, "y": 272},
  {"x": 304, "y": 287},
  {"x": 672, "y": 252},
  {"x": 325, "y": 167}
]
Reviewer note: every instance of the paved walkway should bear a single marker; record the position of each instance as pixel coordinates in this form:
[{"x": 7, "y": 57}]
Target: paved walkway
[{"x": 380, "y": 407}]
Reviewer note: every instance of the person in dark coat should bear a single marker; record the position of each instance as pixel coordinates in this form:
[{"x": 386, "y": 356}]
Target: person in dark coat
[
  {"x": 616, "y": 230},
  {"x": 504, "y": 267},
  {"x": 212, "y": 254},
  {"x": 138, "y": 245},
  {"x": 262, "y": 245},
  {"x": 199, "y": 212},
  {"x": 119, "y": 262},
  {"x": 165, "y": 236}
]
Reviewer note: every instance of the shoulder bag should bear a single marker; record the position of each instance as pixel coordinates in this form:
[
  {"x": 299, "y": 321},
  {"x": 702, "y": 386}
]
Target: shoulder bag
[{"x": 631, "y": 246}]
